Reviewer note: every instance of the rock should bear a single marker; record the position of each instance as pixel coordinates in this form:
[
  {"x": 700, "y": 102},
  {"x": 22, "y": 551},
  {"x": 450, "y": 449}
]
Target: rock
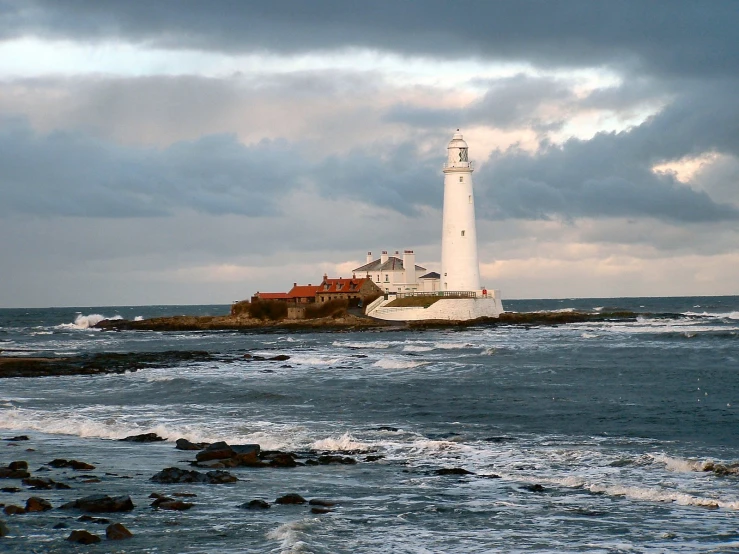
[
  {"x": 282, "y": 460},
  {"x": 171, "y": 504},
  {"x": 117, "y": 532},
  {"x": 101, "y": 503},
  {"x": 7, "y": 473},
  {"x": 3, "y": 530},
  {"x": 387, "y": 428},
  {"x": 246, "y": 454},
  {"x": 373, "y": 458},
  {"x": 216, "y": 451},
  {"x": 490, "y": 476},
  {"x": 279, "y": 358},
  {"x": 534, "y": 488},
  {"x": 83, "y": 537},
  {"x": 320, "y": 511},
  {"x": 331, "y": 459},
  {"x": 144, "y": 437},
  {"x": 36, "y": 504},
  {"x": 290, "y": 499},
  {"x": 43, "y": 483},
  {"x": 74, "y": 464},
  {"x": 220, "y": 477},
  {"x": 12, "y": 510},
  {"x": 184, "y": 494},
  {"x": 60, "y": 525},
  {"x": 20, "y": 465},
  {"x": 90, "y": 481},
  {"x": 172, "y": 475},
  {"x": 255, "y": 504},
  {"x": 93, "y": 519},
  {"x": 453, "y": 471},
  {"x": 10, "y": 489},
  {"x": 319, "y": 502},
  {"x": 184, "y": 444},
  {"x": 18, "y": 438}
]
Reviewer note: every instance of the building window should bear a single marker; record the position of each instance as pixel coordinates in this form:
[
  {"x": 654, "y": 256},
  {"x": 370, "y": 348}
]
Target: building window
[
  {"x": 470, "y": 199},
  {"x": 387, "y": 278},
  {"x": 462, "y": 233},
  {"x": 461, "y": 179}
]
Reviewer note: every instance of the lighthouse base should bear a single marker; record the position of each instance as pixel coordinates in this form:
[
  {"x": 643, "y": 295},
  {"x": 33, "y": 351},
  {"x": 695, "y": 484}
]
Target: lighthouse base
[{"x": 450, "y": 309}]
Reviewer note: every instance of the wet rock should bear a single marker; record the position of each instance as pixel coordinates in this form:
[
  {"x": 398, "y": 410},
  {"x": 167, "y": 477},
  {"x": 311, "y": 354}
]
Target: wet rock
[
  {"x": 117, "y": 532},
  {"x": 171, "y": 504},
  {"x": 60, "y": 525},
  {"x": 18, "y": 466},
  {"x": 279, "y": 358},
  {"x": 291, "y": 498},
  {"x": 312, "y": 462},
  {"x": 36, "y": 504},
  {"x": 246, "y": 454},
  {"x": 184, "y": 494},
  {"x": 74, "y": 464},
  {"x": 320, "y": 510},
  {"x": 173, "y": 475},
  {"x": 721, "y": 469},
  {"x": 83, "y": 537},
  {"x": 534, "y": 488},
  {"x": 92, "y": 519},
  {"x": 184, "y": 444},
  {"x": 43, "y": 483},
  {"x": 91, "y": 481},
  {"x": 144, "y": 437},
  {"x": 3, "y": 530},
  {"x": 373, "y": 458},
  {"x": 255, "y": 504},
  {"x": 7, "y": 473},
  {"x": 453, "y": 471},
  {"x": 490, "y": 476},
  {"x": 216, "y": 451},
  {"x": 331, "y": 459},
  {"x": 220, "y": 477},
  {"x": 282, "y": 459},
  {"x": 18, "y": 438},
  {"x": 101, "y": 503},
  {"x": 320, "y": 502},
  {"x": 387, "y": 428},
  {"x": 12, "y": 510},
  {"x": 10, "y": 489}
]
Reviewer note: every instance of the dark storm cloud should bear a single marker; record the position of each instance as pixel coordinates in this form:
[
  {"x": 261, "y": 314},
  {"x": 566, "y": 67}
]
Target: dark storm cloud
[{"x": 662, "y": 36}]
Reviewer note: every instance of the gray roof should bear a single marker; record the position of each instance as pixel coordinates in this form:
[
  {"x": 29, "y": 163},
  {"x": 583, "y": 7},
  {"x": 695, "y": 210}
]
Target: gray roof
[
  {"x": 392, "y": 264},
  {"x": 431, "y": 275}
]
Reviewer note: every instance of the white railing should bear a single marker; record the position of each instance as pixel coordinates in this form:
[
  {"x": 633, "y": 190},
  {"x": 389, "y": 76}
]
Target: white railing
[
  {"x": 458, "y": 165},
  {"x": 372, "y": 305}
]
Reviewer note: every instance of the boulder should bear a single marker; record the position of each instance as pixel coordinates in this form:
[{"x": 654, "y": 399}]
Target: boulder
[
  {"x": 316, "y": 510},
  {"x": 331, "y": 459},
  {"x": 144, "y": 437},
  {"x": 3, "y": 529},
  {"x": 373, "y": 457},
  {"x": 172, "y": 475},
  {"x": 7, "y": 473},
  {"x": 246, "y": 454},
  {"x": 83, "y": 537},
  {"x": 534, "y": 488},
  {"x": 74, "y": 464},
  {"x": 36, "y": 504},
  {"x": 319, "y": 502},
  {"x": 184, "y": 444},
  {"x": 220, "y": 477},
  {"x": 98, "y": 503},
  {"x": 60, "y": 525},
  {"x": 453, "y": 471},
  {"x": 43, "y": 483},
  {"x": 255, "y": 504},
  {"x": 117, "y": 532},
  {"x": 19, "y": 465},
  {"x": 92, "y": 519},
  {"x": 282, "y": 459},
  {"x": 171, "y": 504},
  {"x": 18, "y": 438},
  {"x": 10, "y": 489},
  {"x": 216, "y": 451},
  {"x": 291, "y": 498},
  {"x": 12, "y": 510}
]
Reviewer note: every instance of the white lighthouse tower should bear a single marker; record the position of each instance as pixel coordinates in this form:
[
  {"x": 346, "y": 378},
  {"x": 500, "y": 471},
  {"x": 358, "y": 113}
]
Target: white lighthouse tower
[
  {"x": 460, "y": 270},
  {"x": 460, "y": 296}
]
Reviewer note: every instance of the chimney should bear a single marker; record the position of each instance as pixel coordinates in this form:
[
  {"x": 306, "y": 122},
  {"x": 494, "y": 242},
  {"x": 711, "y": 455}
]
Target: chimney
[
  {"x": 295, "y": 284},
  {"x": 369, "y": 257},
  {"x": 397, "y": 253},
  {"x": 383, "y": 257},
  {"x": 409, "y": 265}
]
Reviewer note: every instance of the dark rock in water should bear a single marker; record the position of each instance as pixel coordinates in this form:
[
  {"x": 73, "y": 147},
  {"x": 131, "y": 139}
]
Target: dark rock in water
[
  {"x": 279, "y": 358},
  {"x": 290, "y": 499},
  {"x": 145, "y": 437},
  {"x": 97, "y": 503},
  {"x": 36, "y": 504},
  {"x": 282, "y": 459},
  {"x": 12, "y": 510},
  {"x": 60, "y": 525},
  {"x": 184, "y": 444},
  {"x": 721, "y": 469},
  {"x": 498, "y": 439},
  {"x": 216, "y": 451},
  {"x": 83, "y": 537},
  {"x": 91, "y": 480},
  {"x": 10, "y": 489},
  {"x": 92, "y": 519},
  {"x": 18, "y": 438},
  {"x": 453, "y": 471},
  {"x": 320, "y": 511},
  {"x": 255, "y": 504},
  {"x": 74, "y": 464},
  {"x": 43, "y": 483},
  {"x": 319, "y": 502},
  {"x": 330, "y": 459},
  {"x": 373, "y": 458},
  {"x": 3, "y": 529},
  {"x": 534, "y": 488},
  {"x": 176, "y": 475},
  {"x": 490, "y": 476},
  {"x": 166, "y": 503},
  {"x": 387, "y": 428},
  {"x": 184, "y": 494},
  {"x": 312, "y": 463},
  {"x": 19, "y": 465},
  {"x": 246, "y": 454},
  {"x": 7, "y": 473},
  {"x": 117, "y": 532}
]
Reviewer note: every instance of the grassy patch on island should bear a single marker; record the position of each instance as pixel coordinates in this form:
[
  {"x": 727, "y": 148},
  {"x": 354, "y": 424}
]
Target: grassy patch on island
[{"x": 413, "y": 302}]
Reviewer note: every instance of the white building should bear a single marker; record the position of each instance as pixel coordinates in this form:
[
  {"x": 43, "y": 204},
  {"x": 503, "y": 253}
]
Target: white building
[
  {"x": 393, "y": 274},
  {"x": 458, "y": 294}
]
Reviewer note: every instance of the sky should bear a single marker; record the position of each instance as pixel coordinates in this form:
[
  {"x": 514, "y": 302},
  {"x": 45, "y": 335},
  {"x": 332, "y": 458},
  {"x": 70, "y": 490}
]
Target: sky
[{"x": 192, "y": 152}]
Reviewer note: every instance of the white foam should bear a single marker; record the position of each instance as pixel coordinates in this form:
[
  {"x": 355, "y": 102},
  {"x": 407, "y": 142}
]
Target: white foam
[
  {"x": 86, "y": 321},
  {"x": 389, "y": 363},
  {"x": 138, "y": 318},
  {"x": 417, "y": 348},
  {"x": 718, "y": 315},
  {"x": 291, "y": 535},
  {"x": 343, "y": 443},
  {"x": 452, "y": 345},
  {"x": 369, "y": 344}
]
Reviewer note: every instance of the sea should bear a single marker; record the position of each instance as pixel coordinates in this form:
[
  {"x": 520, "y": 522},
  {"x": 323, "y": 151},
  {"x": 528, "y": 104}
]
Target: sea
[{"x": 586, "y": 437}]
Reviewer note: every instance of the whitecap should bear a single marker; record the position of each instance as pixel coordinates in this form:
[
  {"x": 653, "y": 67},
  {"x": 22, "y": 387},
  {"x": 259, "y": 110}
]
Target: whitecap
[
  {"x": 86, "y": 321},
  {"x": 389, "y": 363},
  {"x": 343, "y": 443}
]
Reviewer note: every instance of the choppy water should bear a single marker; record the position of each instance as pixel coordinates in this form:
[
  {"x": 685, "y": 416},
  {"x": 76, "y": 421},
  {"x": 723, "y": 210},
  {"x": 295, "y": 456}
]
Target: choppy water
[{"x": 615, "y": 420}]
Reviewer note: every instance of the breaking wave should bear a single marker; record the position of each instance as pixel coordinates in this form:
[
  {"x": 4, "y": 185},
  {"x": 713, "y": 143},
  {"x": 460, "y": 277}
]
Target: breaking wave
[
  {"x": 388, "y": 363},
  {"x": 86, "y": 321},
  {"x": 343, "y": 443}
]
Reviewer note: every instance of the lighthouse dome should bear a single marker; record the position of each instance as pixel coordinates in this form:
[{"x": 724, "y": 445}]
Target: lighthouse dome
[{"x": 457, "y": 141}]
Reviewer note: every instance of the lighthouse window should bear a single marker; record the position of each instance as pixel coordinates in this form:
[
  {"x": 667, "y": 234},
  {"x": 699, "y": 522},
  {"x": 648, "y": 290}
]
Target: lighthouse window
[
  {"x": 462, "y": 233},
  {"x": 461, "y": 179},
  {"x": 470, "y": 198}
]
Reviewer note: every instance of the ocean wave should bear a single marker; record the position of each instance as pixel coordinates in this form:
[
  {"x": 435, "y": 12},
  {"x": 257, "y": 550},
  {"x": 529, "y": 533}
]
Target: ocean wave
[
  {"x": 452, "y": 345},
  {"x": 292, "y": 536},
  {"x": 389, "y": 363},
  {"x": 716, "y": 315},
  {"x": 344, "y": 443},
  {"x": 381, "y": 344},
  {"x": 86, "y": 321},
  {"x": 417, "y": 348}
]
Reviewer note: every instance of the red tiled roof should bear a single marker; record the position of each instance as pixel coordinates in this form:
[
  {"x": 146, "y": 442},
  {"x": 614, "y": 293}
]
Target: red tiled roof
[
  {"x": 333, "y": 285},
  {"x": 303, "y": 291},
  {"x": 272, "y": 295}
]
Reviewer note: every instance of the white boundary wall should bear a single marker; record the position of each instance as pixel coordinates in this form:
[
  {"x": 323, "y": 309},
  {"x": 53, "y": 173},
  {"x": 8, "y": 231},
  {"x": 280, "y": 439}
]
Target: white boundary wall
[{"x": 451, "y": 309}]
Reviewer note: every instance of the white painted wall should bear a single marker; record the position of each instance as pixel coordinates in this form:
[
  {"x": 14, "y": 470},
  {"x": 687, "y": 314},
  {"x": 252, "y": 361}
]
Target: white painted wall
[
  {"x": 451, "y": 309},
  {"x": 460, "y": 270}
]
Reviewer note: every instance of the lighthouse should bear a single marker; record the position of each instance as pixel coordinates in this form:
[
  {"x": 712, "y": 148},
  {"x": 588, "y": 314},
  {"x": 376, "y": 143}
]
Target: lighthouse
[{"x": 460, "y": 270}]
